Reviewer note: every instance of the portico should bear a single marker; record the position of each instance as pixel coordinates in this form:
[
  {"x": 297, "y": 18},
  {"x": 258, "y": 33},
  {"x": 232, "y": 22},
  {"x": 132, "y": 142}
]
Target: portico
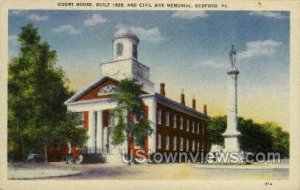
[{"x": 99, "y": 121}]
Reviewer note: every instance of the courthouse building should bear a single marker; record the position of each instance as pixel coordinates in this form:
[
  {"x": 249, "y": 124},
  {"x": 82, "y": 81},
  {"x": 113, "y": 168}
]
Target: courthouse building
[{"x": 176, "y": 127}]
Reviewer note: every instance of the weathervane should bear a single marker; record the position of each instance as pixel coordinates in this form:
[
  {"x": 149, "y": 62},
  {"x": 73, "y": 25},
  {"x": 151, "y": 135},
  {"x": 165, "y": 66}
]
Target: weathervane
[{"x": 232, "y": 55}]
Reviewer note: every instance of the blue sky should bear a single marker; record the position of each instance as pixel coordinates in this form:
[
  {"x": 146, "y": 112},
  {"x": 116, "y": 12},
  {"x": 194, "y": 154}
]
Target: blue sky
[{"x": 183, "y": 49}]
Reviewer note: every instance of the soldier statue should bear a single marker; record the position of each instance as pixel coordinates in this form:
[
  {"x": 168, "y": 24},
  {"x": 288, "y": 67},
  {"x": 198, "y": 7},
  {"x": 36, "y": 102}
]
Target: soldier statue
[{"x": 232, "y": 56}]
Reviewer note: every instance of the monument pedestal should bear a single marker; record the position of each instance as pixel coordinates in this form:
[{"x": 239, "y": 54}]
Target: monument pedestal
[{"x": 231, "y": 143}]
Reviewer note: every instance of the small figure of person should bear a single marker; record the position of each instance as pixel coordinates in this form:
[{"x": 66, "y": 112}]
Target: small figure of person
[{"x": 69, "y": 156}]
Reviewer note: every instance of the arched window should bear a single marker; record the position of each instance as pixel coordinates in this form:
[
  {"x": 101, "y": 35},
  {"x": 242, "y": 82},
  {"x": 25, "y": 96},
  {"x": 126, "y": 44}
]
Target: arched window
[
  {"x": 134, "y": 51},
  {"x": 181, "y": 144},
  {"x": 174, "y": 143},
  {"x": 187, "y": 125},
  {"x": 187, "y": 145},
  {"x": 159, "y": 117},
  {"x": 167, "y": 119},
  {"x": 159, "y": 141},
  {"x": 181, "y": 122},
  {"x": 174, "y": 121},
  {"x": 167, "y": 142},
  {"x": 120, "y": 49}
]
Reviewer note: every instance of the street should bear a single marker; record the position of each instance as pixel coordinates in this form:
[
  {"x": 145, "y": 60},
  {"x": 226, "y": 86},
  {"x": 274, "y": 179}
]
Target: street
[{"x": 165, "y": 171}]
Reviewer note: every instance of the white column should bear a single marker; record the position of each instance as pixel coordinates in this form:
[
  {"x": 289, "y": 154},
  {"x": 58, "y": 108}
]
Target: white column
[
  {"x": 152, "y": 118},
  {"x": 91, "y": 131},
  {"x": 232, "y": 134},
  {"x": 99, "y": 131},
  {"x": 232, "y": 103}
]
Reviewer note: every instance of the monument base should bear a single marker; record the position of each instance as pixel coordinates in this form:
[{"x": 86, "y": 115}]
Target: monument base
[
  {"x": 232, "y": 153},
  {"x": 232, "y": 143}
]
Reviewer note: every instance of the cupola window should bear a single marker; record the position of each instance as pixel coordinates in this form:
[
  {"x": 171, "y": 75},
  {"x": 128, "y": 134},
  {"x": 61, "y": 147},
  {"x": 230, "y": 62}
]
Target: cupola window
[
  {"x": 134, "y": 51},
  {"x": 120, "y": 49}
]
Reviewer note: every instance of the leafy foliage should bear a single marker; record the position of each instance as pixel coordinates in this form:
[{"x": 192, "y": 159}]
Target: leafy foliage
[
  {"x": 266, "y": 137},
  {"x": 118, "y": 136},
  {"x": 37, "y": 89},
  {"x": 129, "y": 113},
  {"x": 216, "y": 127}
]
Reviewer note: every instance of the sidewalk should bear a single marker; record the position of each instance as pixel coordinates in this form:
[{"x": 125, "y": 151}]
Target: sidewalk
[
  {"x": 38, "y": 173},
  {"x": 255, "y": 166}
]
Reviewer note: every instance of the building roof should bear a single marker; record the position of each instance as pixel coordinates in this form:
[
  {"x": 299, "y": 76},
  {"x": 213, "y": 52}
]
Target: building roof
[
  {"x": 180, "y": 107},
  {"x": 159, "y": 98},
  {"x": 125, "y": 33}
]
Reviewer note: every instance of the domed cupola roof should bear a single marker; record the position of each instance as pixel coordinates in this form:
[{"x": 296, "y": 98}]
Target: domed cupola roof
[{"x": 125, "y": 33}]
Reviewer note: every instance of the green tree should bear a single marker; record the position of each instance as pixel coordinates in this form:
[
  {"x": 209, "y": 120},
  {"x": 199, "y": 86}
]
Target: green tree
[
  {"x": 129, "y": 113},
  {"x": 37, "y": 89},
  {"x": 280, "y": 138},
  {"x": 216, "y": 127},
  {"x": 254, "y": 137},
  {"x": 266, "y": 137}
]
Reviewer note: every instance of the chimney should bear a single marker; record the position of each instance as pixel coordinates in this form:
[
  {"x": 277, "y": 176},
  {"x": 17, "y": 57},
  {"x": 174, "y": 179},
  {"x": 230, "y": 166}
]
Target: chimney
[
  {"x": 182, "y": 98},
  {"x": 162, "y": 89},
  {"x": 194, "y": 103},
  {"x": 205, "y": 109}
]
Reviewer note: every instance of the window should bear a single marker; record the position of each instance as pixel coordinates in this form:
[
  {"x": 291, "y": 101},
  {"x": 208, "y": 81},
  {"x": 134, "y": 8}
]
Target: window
[
  {"x": 174, "y": 121},
  {"x": 203, "y": 146},
  {"x": 167, "y": 142},
  {"x": 134, "y": 51},
  {"x": 198, "y": 146},
  {"x": 111, "y": 120},
  {"x": 181, "y": 144},
  {"x": 193, "y": 146},
  {"x": 193, "y": 127},
  {"x": 81, "y": 116},
  {"x": 187, "y": 145},
  {"x": 198, "y": 128},
  {"x": 187, "y": 125},
  {"x": 167, "y": 119},
  {"x": 159, "y": 117},
  {"x": 119, "y": 49},
  {"x": 108, "y": 89},
  {"x": 138, "y": 143},
  {"x": 203, "y": 131},
  {"x": 174, "y": 143},
  {"x": 159, "y": 141},
  {"x": 181, "y": 122}
]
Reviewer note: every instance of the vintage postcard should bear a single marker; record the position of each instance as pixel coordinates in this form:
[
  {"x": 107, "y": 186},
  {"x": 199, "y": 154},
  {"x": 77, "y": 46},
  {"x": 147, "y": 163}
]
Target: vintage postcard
[{"x": 150, "y": 94}]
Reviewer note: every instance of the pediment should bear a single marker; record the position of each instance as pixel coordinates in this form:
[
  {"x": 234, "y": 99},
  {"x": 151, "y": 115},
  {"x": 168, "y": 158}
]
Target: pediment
[{"x": 102, "y": 88}]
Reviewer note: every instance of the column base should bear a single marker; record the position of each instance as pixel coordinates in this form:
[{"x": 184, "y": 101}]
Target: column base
[
  {"x": 231, "y": 143},
  {"x": 232, "y": 151}
]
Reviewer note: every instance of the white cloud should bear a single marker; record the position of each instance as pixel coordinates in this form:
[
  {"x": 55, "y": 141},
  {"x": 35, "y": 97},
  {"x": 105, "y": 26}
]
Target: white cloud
[
  {"x": 150, "y": 35},
  {"x": 37, "y": 18},
  {"x": 13, "y": 39},
  {"x": 66, "y": 29},
  {"x": 268, "y": 14},
  {"x": 17, "y": 12},
  {"x": 259, "y": 48},
  {"x": 212, "y": 63},
  {"x": 94, "y": 20},
  {"x": 189, "y": 14}
]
